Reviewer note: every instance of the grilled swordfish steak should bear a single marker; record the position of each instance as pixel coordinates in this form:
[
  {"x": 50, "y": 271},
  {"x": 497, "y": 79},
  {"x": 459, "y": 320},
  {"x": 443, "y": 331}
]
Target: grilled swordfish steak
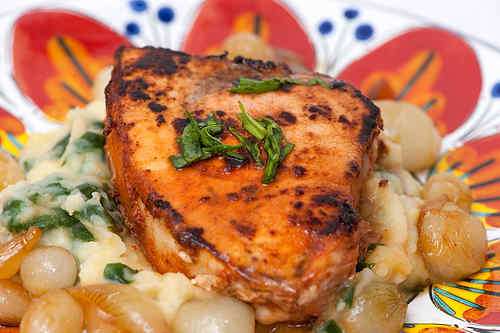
[{"x": 283, "y": 246}]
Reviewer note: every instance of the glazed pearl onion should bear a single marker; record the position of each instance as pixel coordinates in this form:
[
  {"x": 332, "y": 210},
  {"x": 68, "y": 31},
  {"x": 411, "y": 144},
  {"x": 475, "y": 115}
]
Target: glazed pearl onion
[
  {"x": 447, "y": 187},
  {"x": 419, "y": 139},
  {"x": 452, "y": 243},
  {"x": 48, "y": 267},
  {"x": 217, "y": 315},
  {"x": 14, "y": 301},
  {"x": 54, "y": 312},
  {"x": 379, "y": 307}
]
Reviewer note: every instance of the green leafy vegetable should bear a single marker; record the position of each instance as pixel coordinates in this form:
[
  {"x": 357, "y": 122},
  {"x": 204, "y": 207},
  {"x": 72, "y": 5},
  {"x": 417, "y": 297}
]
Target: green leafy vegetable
[
  {"x": 275, "y": 152},
  {"x": 87, "y": 189},
  {"x": 56, "y": 189},
  {"x": 362, "y": 264},
  {"x": 347, "y": 295},
  {"x": 120, "y": 273},
  {"x": 80, "y": 232},
  {"x": 28, "y": 165},
  {"x": 190, "y": 141},
  {"x": 329, "y": 326},
  {"x": 199, "y": 141},
  {"x": 89, "y": 141},
  {"x": 251, "y": 125},
  {"x": 60, "y": 147},
  {"x": 12, "y": 209},
  {"x": 56, "y": 218},
  {"x": 251, "y": 86},
  {"x": 250, "y": 146}
]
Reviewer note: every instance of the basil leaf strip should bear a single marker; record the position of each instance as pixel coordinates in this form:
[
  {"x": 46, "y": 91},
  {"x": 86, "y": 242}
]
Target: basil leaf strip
[
  {"x": 251, "y": 125},
  {"x": 80, "y": 232},
  {"x": 252, "y": 86},
  {"x": 250, "y": 146},
  {"x": 119, "y": 272},
  {"x": 190, "y": 141}
]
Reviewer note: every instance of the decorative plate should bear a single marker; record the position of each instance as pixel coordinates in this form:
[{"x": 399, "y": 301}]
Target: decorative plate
[{"x": 52, "y": 51}]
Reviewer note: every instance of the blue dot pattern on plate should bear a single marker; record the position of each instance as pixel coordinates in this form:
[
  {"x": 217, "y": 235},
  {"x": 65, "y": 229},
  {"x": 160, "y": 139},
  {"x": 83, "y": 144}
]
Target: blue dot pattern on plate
[
  {"x": 363, "y": 32},
  {"x": 351, "y": 13},
  {"x": 138, "y": 5},
  {"x": 166, "y": 14},
  {"x": 325, "y": 27},
  {"x": 132, "y": 29},
  {"x": 495, "y": 91}
]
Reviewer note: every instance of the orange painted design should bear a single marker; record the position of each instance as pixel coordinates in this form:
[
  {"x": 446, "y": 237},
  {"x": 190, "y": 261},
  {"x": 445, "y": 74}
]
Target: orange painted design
[
  {"x": 431, "y": 328},
  {"x": 56, "y": 55},
  {"x": 61, "y": 99},
  {"x": 484, "y": 182},
  {"x": 10, "y": 124},
  {"x": 12, "y": 133},
  {"x": 218, "y": 19},
  {"x": 427, "y": 67},
  {"x": 245, "y": 23},
  {"x": 491, "y": 314},
  {"x": 387, "y": 84}
]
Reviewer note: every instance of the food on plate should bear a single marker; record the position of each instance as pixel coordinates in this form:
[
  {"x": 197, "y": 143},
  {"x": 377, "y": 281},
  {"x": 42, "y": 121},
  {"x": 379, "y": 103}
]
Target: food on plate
[
  {"x": 54, "y": 312},
  {"x": 15, "y": 301},
  {"x": 130, "y": 310},
  {"x": 413, "y": 129},
  {"x": 447, "y": 187},
  {"x": 263, "y": 200},
  {"x": 216, "y": 315},
  {"x": 14, "y": 250},
  {"x": 10, "y": 171},
  {"x": 451, "y": 241},
  {"x": 199, "y": 208},
  {"x": 48, "y": 267}
]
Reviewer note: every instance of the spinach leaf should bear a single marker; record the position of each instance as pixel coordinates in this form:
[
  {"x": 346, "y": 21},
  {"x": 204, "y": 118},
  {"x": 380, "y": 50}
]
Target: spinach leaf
[
  {"x": 119, "y": 272},
  {"x": 89, "y": 141},
  {"x": 329, "y": 326},
  {"x": 60, "y": 147},
  {"x": 11, "y": 210},
  {"x": 87, "y": 189},
  {"x": 347, "y": 295},
  {"x": 80, "y": 232}
]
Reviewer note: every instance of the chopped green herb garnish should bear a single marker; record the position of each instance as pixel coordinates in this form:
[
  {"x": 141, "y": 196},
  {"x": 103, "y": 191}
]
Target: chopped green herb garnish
[
  {"x": 80, "y": 232},
  {"x": 56, "y": 218},
  {"x": 347, "y": 295},
  {"x": 190, "y": 141},
  {"x": 199, "y": 141},
  {"x": 251, "y": 86},
  {"x": 87, "y": 189},
  {"x": 362, "y": 264},
  {"x": 285, "y": 150},
  {"x": 251, "y": 125},
  {"x": 250, "y": 146},
  {"x": 89, "y": 141},
  {"x": 119, "y": 272},
  {"x": 275, "y": 152},
  {"x": 60, "y": 147},
  {"x": 329, "y": 326}
]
